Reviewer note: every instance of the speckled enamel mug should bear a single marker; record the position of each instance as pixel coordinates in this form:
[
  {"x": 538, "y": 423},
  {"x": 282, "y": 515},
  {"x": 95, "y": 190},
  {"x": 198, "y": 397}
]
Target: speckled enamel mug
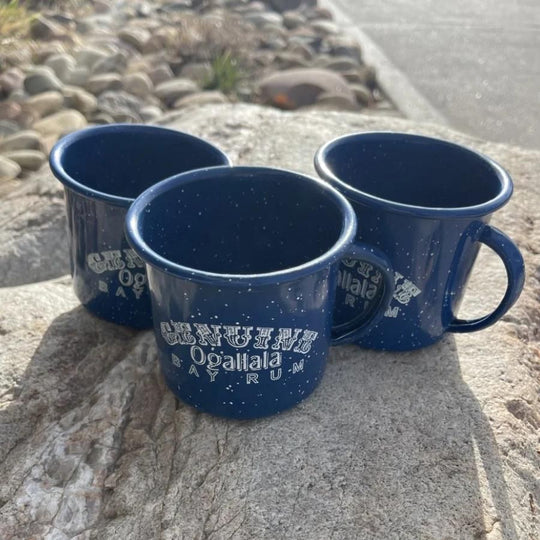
[
  {"x": 103, "y": 169},
  {"x": 242, "y": 266},
  {"x": 426, "y": 203}
]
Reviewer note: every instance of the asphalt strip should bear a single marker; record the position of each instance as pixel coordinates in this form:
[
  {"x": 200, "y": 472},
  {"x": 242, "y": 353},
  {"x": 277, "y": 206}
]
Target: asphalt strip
[{"x": 393, "y": 82}]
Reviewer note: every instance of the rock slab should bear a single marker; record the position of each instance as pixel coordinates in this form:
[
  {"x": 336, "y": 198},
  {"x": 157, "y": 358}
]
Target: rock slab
[{"x": 435, "y": 444}]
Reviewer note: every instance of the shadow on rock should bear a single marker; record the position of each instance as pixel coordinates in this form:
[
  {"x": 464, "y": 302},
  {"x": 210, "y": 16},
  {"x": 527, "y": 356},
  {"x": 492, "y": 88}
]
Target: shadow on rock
[{"x": 389, "y": 446}]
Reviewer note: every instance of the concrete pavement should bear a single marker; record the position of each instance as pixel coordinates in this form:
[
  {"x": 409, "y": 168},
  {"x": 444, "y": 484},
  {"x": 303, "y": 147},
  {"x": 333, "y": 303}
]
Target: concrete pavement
[{"x": 472, "y": 64}]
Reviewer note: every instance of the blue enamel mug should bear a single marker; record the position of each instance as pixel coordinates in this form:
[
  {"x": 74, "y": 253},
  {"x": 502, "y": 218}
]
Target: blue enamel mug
[
  {"x": 242, "y": 266},
  {"x": 103, "y": 170},
  {"x": 426, "y": 203}
]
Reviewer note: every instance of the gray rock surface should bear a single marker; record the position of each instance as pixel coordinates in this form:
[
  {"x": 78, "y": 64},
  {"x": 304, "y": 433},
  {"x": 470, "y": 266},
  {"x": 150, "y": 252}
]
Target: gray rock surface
[{"x": 435, "y": 444}]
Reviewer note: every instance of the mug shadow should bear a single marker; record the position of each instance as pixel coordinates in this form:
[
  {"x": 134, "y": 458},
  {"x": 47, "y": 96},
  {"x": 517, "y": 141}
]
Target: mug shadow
[
  {"x": 423, "y": 447},
  {"x": 74, "y": 355},
  {"x": 389, "y": 446}
]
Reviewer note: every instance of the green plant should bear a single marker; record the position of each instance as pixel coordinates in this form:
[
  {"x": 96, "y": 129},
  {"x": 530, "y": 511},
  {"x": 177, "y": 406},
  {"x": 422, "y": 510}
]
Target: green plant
[
  {"x": 14, "y": 19},
  {"x": 226, "y": 73}
]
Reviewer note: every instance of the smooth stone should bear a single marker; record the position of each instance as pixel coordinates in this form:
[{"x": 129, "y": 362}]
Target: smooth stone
[
  {"x": 78, "y": 77},
  {"x": 293, "y": 19},
  {"x": 328, "y": 100},
  {"x": 127, "y": 117},
  {"x": 179, "y": 5},
  {"x": 8, "y": 128},
  {"x": 322, "y": 13},
  {"x": 199, "y": 72},
  {"x": 88, "y": 56},
  {"x": 102, "y": 6},
  {"x": 102, "y": 118},
  {"x": 136, "y": 37},
  {"x": 30, "y": 160},
  {"x": 170, "y": 91},
  {"x": 9, "y": 169},
  {"x": 46, "y": 103},
  {"x": 260, "y": 19},
  {"x": 288, "y": 60},
  {"x": 365, "y": 75},
  {"x": 201, "y": 98},
  {"x": 105, "y": 81},
  {"x": 96, "y": 23},
  {"x": 118, "y": 104},
  {"x": 341, "y": 64},
  {"x": 141, "y": 64},
  {"x": 138, "y": 84},
  {"x": 274, "y": 42},
  {"x": 43, "y": 28},
  {"x": 9, "y": 110},
  {"x": 250, "y": 7},
  {"x": 61, "y": 122},
  {"x": 116, "y": 63},
  {"x": 362, "y": 93},
  {"x": 162, "y": 38},
  {"x": 301, "y": 49},
  {"x": 144, "y": 9},
  {"x": 285, "y": 5},
  {"x": 18, "y": 57},
  {"x": 294, "y": 88},
  {"x": 42, "y": 81},
  {"x": 324, "y": 27},
  {"x": 22, "y": 140},
  {"x": 27, "y": 116},
  {"x": 79, "y": 99},
  {"x": 46, "y": 50},
  {"x": 344, "y": 46},
  {"x": 12, "y": 79},
  {"x": 150, "y": 113},
  {"x": 62, "y": 64}
]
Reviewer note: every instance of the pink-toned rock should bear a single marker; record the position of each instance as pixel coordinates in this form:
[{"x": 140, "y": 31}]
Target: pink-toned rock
[
  {"x": 9, "y": 110},
  {"x": 10, "y": 80},
  {"x": 295, "y": 88}
]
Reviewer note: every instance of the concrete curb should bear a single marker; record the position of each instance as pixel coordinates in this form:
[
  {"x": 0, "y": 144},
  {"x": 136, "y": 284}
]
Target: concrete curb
[{"x": 394, "y": 83}]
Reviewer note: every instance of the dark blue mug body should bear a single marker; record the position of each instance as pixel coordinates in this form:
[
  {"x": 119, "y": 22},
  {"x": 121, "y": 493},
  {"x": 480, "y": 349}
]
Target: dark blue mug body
[
  {"x": 242, "y": 265},
  {"x": 426, "y": 204},
  {"x": 103, "y": 170}
]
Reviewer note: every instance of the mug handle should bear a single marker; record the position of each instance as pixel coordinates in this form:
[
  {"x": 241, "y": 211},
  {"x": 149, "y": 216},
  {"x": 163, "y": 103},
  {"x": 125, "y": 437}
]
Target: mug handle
[
  {"x": 376, "y": 258},
  {"x": 515, "y": 271}
]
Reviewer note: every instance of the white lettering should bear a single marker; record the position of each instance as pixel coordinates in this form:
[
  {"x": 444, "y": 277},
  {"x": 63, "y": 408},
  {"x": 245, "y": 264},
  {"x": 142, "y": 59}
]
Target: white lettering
[
  {"x": 298, "y": 366},
  {"x": 207, "y": 336},
  {"x": 262, "y": 338},
  {"x": 286, "y": 339},
  {"x": 234, "y": 339}
]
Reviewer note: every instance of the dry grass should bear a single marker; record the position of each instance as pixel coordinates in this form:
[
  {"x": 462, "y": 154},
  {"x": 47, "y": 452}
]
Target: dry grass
[
  {"x": 15, "y": 20},
  {"x": 211, "y": 37}
]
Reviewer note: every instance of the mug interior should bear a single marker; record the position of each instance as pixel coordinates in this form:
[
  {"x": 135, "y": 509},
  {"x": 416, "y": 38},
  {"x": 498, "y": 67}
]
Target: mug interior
[
  {"x": 413, "y": 170},
  {"x": 124, "y": 160},
  {"x": 241, "y": 222}
]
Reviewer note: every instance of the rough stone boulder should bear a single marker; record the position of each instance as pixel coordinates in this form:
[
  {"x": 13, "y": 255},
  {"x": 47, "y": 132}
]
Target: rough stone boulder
[{"x": 440, "y": 443}]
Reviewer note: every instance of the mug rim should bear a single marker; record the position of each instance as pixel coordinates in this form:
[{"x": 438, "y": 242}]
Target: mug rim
[
  {"x": 56, "y": 158},
  {"x": 363, "y": 197},
  {"x": 150, "y": 256}
]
